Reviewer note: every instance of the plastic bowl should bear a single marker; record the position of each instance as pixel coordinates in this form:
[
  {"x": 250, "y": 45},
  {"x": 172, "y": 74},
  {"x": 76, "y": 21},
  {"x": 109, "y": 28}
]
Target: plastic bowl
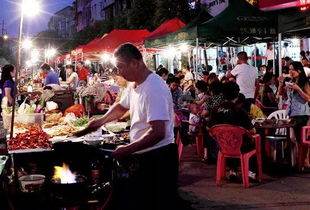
[
  {"x": 22, "y": 118},
  {"x": 32, "y": 182}
]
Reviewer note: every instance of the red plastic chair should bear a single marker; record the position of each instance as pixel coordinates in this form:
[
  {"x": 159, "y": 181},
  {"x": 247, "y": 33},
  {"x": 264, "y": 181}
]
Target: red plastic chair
[
  {"x": 199, "y": 145},
  {"x": 305, "y": 135},
  {"x": 303, "y": 147},
  {"x": 229, "y": 138},
  {"x": 179, "y": 144},
  {"x": 177, "y": 124}
]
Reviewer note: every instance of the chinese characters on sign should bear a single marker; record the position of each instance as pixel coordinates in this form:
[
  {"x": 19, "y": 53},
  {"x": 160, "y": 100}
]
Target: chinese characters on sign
[{"x": 215, "y": 7}]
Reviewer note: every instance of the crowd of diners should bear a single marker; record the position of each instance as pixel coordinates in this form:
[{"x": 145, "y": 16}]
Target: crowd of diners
[{"x": 237, "y": 97}]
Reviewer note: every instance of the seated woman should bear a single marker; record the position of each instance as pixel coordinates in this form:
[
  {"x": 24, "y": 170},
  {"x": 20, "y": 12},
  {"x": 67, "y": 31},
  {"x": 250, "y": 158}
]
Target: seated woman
[
  {"x": 216, "y": 98},
  {"x": 268, "y": 97},
  {"x": 176, "y": 93},
  {"x": 202, "y": 88},
  {"x": 72, "y": 77}
]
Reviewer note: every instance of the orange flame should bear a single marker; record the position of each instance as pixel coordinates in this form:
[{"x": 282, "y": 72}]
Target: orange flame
[{"x": 64, "y": 174}]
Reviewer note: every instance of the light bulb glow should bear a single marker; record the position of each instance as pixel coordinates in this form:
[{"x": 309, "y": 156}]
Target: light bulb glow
[
  {"x": 87, "y": 62},
  {"x": 30, "y": 7},
  {"x": 106, "y": 57},
  {"x": 49, "y": 53},
  {"x": 170, "y": 52},
  {"x": 184, "y": 47},
  {"x": 27, "y": 44},
  {"x": 35, "y": 55}
]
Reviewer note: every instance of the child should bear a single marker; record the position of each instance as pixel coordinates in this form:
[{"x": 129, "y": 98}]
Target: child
[{"x": 194, "y": 119}]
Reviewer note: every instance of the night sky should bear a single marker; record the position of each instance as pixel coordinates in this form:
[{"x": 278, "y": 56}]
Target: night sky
[{"x": 10, "y": 14}]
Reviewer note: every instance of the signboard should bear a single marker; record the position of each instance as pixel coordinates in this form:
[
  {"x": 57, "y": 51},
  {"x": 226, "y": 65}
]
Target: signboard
[{"x": 215, "y": 7}]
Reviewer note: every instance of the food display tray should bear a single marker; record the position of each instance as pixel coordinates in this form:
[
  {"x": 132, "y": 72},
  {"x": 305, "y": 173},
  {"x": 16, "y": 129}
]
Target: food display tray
[{"x": 29, "y": 150}]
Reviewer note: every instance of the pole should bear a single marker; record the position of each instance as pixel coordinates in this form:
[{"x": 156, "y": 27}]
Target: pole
[
  {"x": 18, "y": 66},
  {"x": 280, "y": 53},
  {"x": 255, "y": 60},
  {"x": 217, "y": 62},
  {"x": 206, "y": 54},
  {"x": 197, "y": 44},
  {"x": 274, "y": 59}
]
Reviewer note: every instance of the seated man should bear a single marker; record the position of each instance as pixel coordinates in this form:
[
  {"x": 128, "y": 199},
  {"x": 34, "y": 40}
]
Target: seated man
[{"x": 230, "y": 113}]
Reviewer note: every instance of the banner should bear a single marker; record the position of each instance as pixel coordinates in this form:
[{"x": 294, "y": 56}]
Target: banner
[{"x": 215, "y": 7}]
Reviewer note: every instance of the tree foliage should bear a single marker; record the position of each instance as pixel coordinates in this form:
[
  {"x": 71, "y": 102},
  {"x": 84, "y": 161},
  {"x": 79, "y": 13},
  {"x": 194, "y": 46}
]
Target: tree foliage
[{"x": 141, "y": 13}]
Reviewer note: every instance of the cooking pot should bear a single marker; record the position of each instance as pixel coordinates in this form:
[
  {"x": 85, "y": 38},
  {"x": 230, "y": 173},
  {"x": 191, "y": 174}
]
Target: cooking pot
[{"x": 32, "y": 182}]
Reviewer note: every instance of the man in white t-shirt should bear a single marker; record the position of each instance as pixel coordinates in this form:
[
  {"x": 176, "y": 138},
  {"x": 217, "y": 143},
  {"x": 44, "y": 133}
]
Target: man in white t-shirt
[
  {"x": 246, "y": 76},
  {"x": 150, "y": 104}
]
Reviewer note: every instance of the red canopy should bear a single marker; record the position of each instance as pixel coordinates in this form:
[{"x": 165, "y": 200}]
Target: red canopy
[
  {"x": 91, "y": 45},
  {"x": 168, "y": 26},
  {"x": 117, "y": 37}
]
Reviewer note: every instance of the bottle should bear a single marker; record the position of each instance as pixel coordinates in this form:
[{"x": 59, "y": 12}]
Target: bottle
[
  {"x": 3, "y": 143},
  {"x": 95, "y": 171}
]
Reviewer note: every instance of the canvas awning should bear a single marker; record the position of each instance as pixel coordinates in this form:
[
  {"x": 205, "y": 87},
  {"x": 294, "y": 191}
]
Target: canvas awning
[
  {"x": 185, "y": 34},
  {"x": 117, "y": 37},
  {"x": 239, "y": 23},
  {"x": 294, "y": 22},
  {"x": 167, "y": 27}
]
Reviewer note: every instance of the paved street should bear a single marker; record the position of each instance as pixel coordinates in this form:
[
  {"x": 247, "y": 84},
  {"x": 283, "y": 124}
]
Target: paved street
[{"x": 197, "y": 186}]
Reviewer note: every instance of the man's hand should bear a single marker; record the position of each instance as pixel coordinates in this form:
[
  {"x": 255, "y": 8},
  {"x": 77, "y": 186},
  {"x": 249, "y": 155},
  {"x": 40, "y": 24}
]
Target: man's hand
[
  {"x": 93, "y": 125},
  {"x": 121, "y": 152},
  {"x": 295, "y": 87}
]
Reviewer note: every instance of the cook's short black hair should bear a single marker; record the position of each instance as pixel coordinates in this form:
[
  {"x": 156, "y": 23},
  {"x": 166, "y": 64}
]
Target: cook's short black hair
[
  {"x": 128, "y": 51},
  {"x": 242, "y": 56}
]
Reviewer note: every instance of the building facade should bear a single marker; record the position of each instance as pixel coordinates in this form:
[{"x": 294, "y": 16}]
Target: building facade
[
  {"x": 82, "y": 14},
  {"x": 63, "y": 23},
  {"x": 96, "y": 10},
  {"x": 87, "y": 12}
]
